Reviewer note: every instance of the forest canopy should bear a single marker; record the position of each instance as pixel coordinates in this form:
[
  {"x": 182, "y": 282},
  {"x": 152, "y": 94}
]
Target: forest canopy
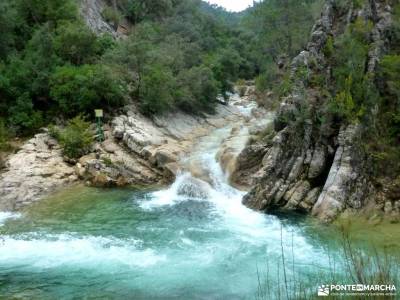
[{"x": 179, "y": 54}]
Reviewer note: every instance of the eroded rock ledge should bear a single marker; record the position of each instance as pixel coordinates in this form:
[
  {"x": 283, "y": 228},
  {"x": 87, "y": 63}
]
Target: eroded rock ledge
[
  {"x": 137, "y": 151},
  {"x": 36, "y": 170}
]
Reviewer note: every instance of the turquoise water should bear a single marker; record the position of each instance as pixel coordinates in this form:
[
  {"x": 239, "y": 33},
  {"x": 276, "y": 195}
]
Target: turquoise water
[
  {"x": 121, "y": 244},
  {"x": 192, "y": 240}
]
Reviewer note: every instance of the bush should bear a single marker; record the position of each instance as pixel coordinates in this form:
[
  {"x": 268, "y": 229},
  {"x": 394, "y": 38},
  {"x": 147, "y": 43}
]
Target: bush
[
  {"x": 390, "y": 74},
  {"x": 80, "y": 89},
  {"x": 198, "y": 90},
  {"x": 329, "y": 48},
  {"x": 23, "y": 116},
  {"x": 354, "y": 92},
  {"x": 75, "y": 43},
  {"x": 157, "y": 90},
  {"x": 76, "y": 138}
]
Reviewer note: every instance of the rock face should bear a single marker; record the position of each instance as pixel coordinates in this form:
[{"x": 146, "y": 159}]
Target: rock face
[
  {"x": 91, "y": 11},
  {"x": 308, "y": 166},
  {"x": 35, "y": 171},
  {"x": 137, "y": 151},
  {"x": 346, "y": 185},
  {"x": 164, "y": 141},
  {"x": 114, "y": 166}
]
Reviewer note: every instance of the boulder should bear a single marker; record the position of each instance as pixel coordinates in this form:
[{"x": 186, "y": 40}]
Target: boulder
[
  {"x": 193, "y": 188},
  {"x": 34, "y": 172},
  {"x": 163, "y": 157},
  {"x": 109, "y": 146},
  {"x": 317, "y": 164}
]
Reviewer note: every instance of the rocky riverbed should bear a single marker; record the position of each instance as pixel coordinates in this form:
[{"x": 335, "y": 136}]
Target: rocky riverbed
[{"x": 137, "y": 151}]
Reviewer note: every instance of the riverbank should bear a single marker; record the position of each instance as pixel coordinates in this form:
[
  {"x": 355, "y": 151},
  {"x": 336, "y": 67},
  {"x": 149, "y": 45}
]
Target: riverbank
[
  {"x": 137, "y": 152},
  {"x": 174, "y": 242}
]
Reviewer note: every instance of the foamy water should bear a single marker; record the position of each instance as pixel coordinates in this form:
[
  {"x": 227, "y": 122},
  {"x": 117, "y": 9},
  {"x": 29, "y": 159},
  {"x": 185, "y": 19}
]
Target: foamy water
[
  {"x": 4, "y": 216},
  {"x": 52, "y": 251},
  {"x": 192, "y": 240},
  {"x": 226, "y": 202}
]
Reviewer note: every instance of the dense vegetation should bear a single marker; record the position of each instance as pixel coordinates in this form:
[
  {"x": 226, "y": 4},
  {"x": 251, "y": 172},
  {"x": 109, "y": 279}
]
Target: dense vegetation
[
  {"x": 183, "y": 54},
  {"x": 276, "y": 31},
  {"x": 370, "y": 98},
  {"x": 180, "y": 54},
  {"x": 386, "y": 150},
  {"x": 49, "y": 65},
  {"x": 350, "y": 93}
]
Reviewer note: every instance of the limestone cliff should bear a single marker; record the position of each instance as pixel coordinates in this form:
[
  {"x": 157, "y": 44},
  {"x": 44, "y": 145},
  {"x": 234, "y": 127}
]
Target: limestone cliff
[
  {"x": 311, "y": 166},
  {"x": 92, "y": 14}
]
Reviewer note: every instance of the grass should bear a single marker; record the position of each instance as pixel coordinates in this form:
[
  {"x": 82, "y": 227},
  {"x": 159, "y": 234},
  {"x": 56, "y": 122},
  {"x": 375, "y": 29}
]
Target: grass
[{"x": 353, "y": 265}]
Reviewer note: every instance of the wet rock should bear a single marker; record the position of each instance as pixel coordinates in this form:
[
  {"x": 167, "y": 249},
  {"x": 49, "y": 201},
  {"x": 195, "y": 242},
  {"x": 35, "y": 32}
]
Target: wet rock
[
  {"x": 102, "y": 180},
  {"x": 388, "y": 207},
  {"x": 171, "y": 170},
  {"x": 227, "y": 159},
  {"x": 247, "y": 165},
  {"x": 194, "y": 188}
]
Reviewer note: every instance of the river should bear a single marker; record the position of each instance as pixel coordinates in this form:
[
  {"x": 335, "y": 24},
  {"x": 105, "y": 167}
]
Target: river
[{"x": 192, "y": 240}]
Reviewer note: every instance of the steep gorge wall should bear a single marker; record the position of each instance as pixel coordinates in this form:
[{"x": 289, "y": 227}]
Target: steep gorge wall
[{"x": 309, "y": 166}]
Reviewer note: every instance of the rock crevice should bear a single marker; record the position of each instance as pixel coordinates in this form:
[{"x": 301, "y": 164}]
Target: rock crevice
[{"x": 309, "y": 167}]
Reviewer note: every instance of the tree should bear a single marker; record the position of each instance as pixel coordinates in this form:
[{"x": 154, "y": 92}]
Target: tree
[
  {"x": 80, "y": 89},
  {"x": 36, "y": 12},
  {"x": 23, "y": 115},
  {"x": 198, "y": 90},
  {"x": 157, "y": 90},
  {"x": 75, "y": 43},
  {"x": 140, "y": 10},
  {"x": 8, "y": 19},
  {"x": 281, "y": 27}
]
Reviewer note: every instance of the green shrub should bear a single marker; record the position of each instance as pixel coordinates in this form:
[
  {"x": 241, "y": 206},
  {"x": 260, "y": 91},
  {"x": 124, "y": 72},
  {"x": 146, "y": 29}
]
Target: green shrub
[
  {"x": 267, "y": 134},
  {"x": 284, "y": 87},
  {"x": 75, "y": 43},
  {"x": 108, "y": 162},
  {"x": 80, "y": 89},
  {"x": 354, "y": 90},
  {"x": 23, "y": 116},
  {"x": 268, "y": 79},
  {"x": 157, "y": 90},
  {"x": 329, "y": 48},
  {"x": 343, "y": 104},
  {"x": 76, "y": 138},
  {"x": 197, "y": 90},
  {"x": 390, "y": 75}
]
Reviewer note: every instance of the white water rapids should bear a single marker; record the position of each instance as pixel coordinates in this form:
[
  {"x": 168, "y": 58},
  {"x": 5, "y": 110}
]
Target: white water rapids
[{"x": 192, "y": 240}]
